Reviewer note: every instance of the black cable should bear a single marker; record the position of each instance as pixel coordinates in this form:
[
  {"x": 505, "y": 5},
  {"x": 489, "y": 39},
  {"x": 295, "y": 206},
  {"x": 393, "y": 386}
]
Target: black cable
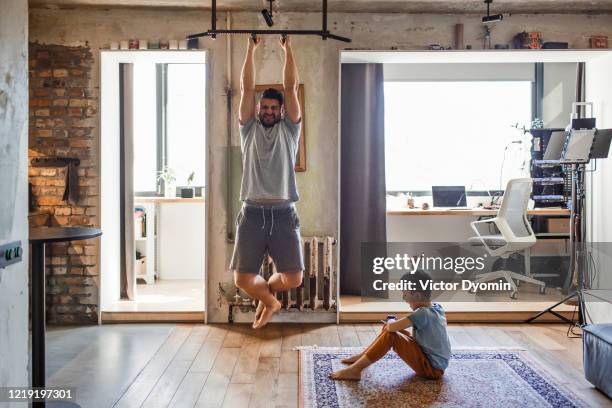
[
  {"x": 501, "y": 170},
  {"x": 572, "y": 326}
]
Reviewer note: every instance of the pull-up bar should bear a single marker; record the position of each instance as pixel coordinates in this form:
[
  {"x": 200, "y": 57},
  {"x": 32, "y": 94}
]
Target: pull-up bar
[{"x": 323, "y": 32}]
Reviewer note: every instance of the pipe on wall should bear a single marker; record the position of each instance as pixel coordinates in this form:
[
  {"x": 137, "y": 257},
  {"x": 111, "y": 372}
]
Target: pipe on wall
[{"x": 229, "y": 93}]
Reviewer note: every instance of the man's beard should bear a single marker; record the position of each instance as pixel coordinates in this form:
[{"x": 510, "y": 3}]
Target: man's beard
[{"x": 267, "y": 123}]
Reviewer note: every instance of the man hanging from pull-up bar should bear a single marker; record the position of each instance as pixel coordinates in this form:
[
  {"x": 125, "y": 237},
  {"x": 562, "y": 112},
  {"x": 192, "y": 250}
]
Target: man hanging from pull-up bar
[{"x": 268, "y": 221}]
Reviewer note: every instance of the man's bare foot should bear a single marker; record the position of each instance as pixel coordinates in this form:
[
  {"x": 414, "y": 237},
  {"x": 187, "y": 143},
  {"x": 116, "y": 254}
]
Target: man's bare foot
[
  {"x": 259, "y": 310},
  {"x": 351, "y": 359},
  {"x": 267, "y": 314},
  {"x": 348, "y": 373}
]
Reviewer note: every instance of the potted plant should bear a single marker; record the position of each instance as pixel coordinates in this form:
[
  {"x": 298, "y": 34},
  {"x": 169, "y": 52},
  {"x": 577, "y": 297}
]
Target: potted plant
[
  {"x": 168, "y": 176},
  {"x": 189, "y": 191}
]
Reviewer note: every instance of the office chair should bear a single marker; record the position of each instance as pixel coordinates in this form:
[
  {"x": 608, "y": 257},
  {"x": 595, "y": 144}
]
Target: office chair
[{"x": 515, "y": 235}]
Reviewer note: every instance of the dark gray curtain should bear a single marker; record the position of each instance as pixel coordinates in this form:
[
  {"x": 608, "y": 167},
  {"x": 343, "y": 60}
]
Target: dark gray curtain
[
  {"x": 580, "y": 86},
  {"x": 538, "y": 91},
  {"x": 362, "y": 174}
]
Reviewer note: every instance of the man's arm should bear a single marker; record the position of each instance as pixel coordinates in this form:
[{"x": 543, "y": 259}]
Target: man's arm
[
  {"x": 291, "y": 83},
  {"x": 247, "y": 83}
]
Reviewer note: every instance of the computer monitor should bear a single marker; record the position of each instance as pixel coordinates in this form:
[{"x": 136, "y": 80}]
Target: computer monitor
[
  {"x": 601, "y": 144},
  {"x": 554, "y": 148},
  {"x": 449, "y": 196},
  {"x": 578, "y": 146}
]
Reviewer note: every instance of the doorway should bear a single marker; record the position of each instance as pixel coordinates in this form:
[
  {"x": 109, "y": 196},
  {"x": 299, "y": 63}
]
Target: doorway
[
  {"x": 554, "y": 79},
  {"x": 153, "y": 185}
]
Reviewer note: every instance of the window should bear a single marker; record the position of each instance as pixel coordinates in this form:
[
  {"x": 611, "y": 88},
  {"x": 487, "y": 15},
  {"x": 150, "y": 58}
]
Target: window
[
  {"x": 456, "y": 133},
  {"x": 145, "y": 129},
  {"x": 169, "y": 124},
  {"x": 185, "y": 131}
]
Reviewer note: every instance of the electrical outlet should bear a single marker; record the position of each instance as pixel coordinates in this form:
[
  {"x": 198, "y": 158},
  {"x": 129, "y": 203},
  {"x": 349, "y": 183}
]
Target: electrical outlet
[{"x": 10, "y": 253}]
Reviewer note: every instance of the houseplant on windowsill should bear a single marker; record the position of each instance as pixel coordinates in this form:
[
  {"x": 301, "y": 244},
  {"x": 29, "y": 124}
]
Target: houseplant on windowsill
[
  {"x": 189, "y": 191},
  {"x": 169, "y": 179}
]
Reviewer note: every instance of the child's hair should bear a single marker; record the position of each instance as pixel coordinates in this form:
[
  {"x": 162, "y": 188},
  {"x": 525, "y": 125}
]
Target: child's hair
[{"x": 420, "y": 279}]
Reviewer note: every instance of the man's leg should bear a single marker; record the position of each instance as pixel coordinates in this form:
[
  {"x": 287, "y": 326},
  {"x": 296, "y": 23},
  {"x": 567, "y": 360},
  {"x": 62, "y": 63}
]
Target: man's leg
[
  {"x": 257, "y": 287},
  {"x": 285, "y": 248},
  {"x": 284, "y": 281},
  {"x": 278, "y": 282}
]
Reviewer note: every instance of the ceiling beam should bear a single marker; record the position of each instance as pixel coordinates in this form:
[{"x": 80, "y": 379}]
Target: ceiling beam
[{"x": 353, "y": 6}]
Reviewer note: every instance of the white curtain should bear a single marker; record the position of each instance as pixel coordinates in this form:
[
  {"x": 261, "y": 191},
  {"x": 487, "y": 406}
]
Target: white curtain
[{"x": 128, "y": 252}]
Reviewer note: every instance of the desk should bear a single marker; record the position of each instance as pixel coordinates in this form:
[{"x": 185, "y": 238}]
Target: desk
[
  {"x": 38, "y": 238},
  {"x": 474, "y": 212},
  {"x": 448, "y": 226},
  {"x": 445, "y": 225}
]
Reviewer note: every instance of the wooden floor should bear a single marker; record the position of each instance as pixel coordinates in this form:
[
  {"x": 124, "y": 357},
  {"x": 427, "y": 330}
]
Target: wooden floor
[
  {"x": 235, "y": 366},
  {"x": 165, "y": 295}
]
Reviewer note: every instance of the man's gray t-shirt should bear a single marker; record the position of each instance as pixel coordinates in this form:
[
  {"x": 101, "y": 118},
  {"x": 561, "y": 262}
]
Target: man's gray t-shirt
[{"x": 268, "y": 160}]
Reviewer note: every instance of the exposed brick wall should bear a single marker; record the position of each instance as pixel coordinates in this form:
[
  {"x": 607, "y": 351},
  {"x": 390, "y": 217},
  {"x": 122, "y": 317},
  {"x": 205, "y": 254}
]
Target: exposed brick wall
[{"x": 63, "y": 109}]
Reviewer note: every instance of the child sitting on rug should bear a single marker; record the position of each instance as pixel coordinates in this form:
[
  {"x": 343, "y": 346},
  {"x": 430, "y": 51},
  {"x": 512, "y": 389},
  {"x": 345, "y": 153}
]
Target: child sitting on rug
[{"x": 426, "y": 351}]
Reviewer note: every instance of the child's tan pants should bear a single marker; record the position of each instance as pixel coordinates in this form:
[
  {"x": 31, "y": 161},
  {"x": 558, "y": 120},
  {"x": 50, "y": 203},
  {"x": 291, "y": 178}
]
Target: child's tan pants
[{"x": 407, "y": 348}]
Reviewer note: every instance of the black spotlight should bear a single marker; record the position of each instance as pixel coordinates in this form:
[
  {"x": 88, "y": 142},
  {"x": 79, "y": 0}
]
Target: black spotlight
[
  {"x": 267, "y": 15},
  {"x": 491, "y": 18}
]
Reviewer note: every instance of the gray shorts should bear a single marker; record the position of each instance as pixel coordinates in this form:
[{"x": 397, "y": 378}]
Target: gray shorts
[{"x": 272, "y": 230}]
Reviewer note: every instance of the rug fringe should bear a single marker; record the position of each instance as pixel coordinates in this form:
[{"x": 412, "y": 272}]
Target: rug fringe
[{"x": 463, "y": 348}]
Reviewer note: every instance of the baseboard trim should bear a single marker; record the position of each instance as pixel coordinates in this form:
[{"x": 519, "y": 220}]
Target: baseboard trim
[
  {"x": 461, "y": 317},
  {"x": 153, "y": 317},
  {"x": 345, "y": 317}
]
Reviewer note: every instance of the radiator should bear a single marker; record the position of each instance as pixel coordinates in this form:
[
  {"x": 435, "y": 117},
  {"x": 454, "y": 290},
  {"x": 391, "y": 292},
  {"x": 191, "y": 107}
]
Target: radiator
[{"x": 318, "y": 288}]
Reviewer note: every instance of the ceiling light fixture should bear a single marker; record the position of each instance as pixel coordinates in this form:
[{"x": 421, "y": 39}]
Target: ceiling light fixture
[
  {"x": 267, "y": 15},
  {"x": 491, "y": 18}
]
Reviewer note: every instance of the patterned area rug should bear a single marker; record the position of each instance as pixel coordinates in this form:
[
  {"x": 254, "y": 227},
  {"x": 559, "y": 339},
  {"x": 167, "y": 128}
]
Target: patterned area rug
[{"x": 474, "y": 378}]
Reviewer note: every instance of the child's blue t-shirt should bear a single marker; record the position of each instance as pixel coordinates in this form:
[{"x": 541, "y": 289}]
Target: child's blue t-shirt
[{"x": 429, "y": 331}]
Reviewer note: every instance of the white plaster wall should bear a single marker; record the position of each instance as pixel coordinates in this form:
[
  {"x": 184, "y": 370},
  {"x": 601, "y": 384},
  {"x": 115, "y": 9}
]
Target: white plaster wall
[
  {"x": 14, "y": 191},
  {"x": 559, "y": 93},
  {"x": 318, "y": 64}
]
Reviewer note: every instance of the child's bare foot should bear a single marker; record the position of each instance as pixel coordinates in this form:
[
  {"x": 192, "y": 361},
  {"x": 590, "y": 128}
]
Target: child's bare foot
[
  {"x": 351, "y": 359},
  {"x": 348, "y": 373},
  {"x": 267, "y": 314},
  {"x": 259, "y": 310}
]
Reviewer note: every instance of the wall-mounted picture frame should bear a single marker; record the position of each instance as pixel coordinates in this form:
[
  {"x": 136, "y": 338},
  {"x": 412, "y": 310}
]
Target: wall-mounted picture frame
[{"x": 300, "y": 163}]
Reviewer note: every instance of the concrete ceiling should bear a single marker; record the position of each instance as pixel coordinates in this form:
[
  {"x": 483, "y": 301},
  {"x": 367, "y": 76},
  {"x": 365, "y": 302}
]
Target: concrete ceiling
[{"x": 353, "y": 6}]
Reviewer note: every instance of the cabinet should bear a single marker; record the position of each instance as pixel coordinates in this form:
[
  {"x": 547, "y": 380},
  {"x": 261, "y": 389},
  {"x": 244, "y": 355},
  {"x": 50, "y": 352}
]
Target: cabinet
[
  {"x": 145, "y": 237},
  {"x": 549, "y": 257},
  {"x": 551, "y": 179}
]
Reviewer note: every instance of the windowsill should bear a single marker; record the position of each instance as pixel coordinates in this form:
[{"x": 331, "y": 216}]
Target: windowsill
[{"x": 168, "y": 200}]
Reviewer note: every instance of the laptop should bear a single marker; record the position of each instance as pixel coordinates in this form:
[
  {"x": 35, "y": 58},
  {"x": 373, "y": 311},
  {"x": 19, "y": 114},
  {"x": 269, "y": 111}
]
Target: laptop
[{"x": 449, "y": 196}]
